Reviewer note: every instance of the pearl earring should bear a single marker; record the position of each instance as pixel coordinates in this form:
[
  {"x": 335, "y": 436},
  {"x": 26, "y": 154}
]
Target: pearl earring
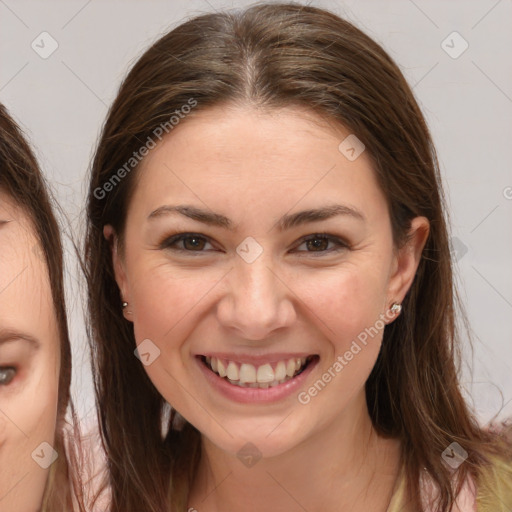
[{"x": 396, "y": 308}]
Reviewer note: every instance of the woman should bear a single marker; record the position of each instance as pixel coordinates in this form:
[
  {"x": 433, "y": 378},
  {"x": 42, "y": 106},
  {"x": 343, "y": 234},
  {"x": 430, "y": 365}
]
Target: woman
[
  {"x": 267, "y": 252},
  {"x": 35, "y": 359}
]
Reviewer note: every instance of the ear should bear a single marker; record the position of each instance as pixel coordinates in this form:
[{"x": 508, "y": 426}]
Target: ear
[
  {"x": 406, "y": 261},
  {"x": 118, "y": 266}
]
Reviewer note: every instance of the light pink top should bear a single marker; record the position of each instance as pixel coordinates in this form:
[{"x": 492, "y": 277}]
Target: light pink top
[
  {"x": 96, "y": 475},
  {"x": 465, "y": 501},
  {"x": 94, "y": 471}
]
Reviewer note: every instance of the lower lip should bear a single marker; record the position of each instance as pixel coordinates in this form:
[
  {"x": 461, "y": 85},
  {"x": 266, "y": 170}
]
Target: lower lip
[{"x": 256, "y": 395}]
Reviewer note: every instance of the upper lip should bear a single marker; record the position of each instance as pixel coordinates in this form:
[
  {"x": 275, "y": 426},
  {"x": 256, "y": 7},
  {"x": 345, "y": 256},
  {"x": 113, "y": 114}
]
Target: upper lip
[{"x": 257, "y": 360}]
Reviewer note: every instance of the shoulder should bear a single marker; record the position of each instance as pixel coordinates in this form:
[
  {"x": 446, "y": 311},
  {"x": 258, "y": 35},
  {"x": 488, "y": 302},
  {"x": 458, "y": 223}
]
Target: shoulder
[
  {"x": 495, "y": 486},
  {"x": 466, "y": 500},
  {"x": 495, "y": 478},
  {"x": 491, "y": 490},
  {"x": 95, "y": 473}
]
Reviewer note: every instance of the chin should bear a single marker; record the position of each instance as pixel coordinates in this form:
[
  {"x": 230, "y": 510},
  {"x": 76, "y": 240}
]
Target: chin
[{"x": 259, "y": 439}]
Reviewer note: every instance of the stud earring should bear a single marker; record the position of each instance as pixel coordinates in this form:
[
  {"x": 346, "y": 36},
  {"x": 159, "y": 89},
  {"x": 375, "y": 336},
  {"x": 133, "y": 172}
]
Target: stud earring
[
  {"x": 125, "y": 304},
  {"x": 396, "y": 308}
]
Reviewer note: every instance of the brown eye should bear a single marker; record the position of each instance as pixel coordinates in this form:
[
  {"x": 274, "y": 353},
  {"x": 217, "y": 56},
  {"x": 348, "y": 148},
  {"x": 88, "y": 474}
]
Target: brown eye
[
  {"x": 317, "y": 244},
  {"x": 6, "y": 375},
  {"x": 320, "y": 243},
  {"x": 189, "y": 242},
  {"x": 193, "y": 243}
]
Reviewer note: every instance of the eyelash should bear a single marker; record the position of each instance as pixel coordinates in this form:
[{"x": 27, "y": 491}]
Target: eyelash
[
  {"x": 173, "y": 239},
  {"x": 4, "y": 369}
]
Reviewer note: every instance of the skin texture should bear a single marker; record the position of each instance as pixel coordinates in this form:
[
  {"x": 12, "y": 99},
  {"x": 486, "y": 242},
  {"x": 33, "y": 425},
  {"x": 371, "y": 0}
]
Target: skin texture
[
  {"x": 28, "y": 402},
  {"x": 254, "y": 167}
]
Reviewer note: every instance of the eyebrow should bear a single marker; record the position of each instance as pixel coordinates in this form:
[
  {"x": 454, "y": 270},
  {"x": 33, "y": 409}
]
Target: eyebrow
[
  {"x": 7, "y": 335},
  {"x": 285, "y": 222}
]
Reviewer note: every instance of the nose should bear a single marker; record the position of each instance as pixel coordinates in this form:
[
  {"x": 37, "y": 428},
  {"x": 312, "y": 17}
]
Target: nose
[{"x": 258, "y": 301}]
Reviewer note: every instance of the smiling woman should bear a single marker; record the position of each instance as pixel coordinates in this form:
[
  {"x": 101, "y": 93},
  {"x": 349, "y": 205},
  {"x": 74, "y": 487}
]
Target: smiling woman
[
  {"x": 35, "y": 360},
  {"x": 270, "y": 289}
]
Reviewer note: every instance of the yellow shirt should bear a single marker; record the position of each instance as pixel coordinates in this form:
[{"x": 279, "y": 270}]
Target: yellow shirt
[{"x": 491, "y": 493}]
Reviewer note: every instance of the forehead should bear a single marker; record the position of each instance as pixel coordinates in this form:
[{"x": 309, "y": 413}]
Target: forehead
[
  {"x": 258, "y": 156},
  {"x": 267, "y": 144},
  {"x": 16, "y": 228},
  {"x": 26, "y": 301}
]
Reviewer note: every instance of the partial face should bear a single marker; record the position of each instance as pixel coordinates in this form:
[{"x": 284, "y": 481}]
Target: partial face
[
  {"x": 29, "y": 363},
  {"x": 240, "y": 301}
]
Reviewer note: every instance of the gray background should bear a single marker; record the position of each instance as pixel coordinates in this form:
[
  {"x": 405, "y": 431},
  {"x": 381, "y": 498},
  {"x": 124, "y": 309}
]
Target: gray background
[{"x": 62, "y": 100}]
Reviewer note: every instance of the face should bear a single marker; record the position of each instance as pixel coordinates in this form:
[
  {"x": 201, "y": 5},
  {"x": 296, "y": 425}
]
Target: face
[
  {"x": 240, "y": 301},
  {"x": 29, "y": 363}
]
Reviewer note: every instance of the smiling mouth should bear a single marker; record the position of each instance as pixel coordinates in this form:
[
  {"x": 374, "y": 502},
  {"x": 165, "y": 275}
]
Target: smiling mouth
[{"x": 263, "y": 376}]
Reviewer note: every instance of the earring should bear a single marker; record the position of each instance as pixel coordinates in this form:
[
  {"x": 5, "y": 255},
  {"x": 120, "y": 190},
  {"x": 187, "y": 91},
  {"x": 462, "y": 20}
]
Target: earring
[
  {"x": 396, "y": 308},
  {"x": 125, "y": 304}
]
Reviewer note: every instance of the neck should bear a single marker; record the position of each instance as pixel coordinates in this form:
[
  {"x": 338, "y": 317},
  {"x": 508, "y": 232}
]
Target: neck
[{"x": 345, "y": 465}]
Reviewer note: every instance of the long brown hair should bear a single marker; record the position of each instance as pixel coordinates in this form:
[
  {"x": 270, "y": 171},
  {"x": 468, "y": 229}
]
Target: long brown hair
[
  {"x": 272, "y": 56},
  {"x": 22, "y": 180}
]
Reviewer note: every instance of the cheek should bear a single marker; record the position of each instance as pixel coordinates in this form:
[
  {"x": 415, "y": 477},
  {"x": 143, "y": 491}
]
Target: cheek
[
  {"x": 43, "y": 418},
  {"x": 32, "y": 411},
  {"x": 32, "y": 404},
  {"x": 164, "y": 301},
  {"x": 31, "y": 421},
  {"x": 165, "y": 311},
  {"x": 340, "y": 301},
  {"x": 343, "y": 301},
  {"x": 3, "y": 432},
  {"x": 345, "y": 306},
  {"x": 336, "y": 306}
]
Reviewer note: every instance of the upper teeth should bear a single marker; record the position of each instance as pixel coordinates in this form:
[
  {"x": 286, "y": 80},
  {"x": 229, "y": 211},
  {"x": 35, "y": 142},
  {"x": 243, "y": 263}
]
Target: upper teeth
[{"x": 249, "y": 374}]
